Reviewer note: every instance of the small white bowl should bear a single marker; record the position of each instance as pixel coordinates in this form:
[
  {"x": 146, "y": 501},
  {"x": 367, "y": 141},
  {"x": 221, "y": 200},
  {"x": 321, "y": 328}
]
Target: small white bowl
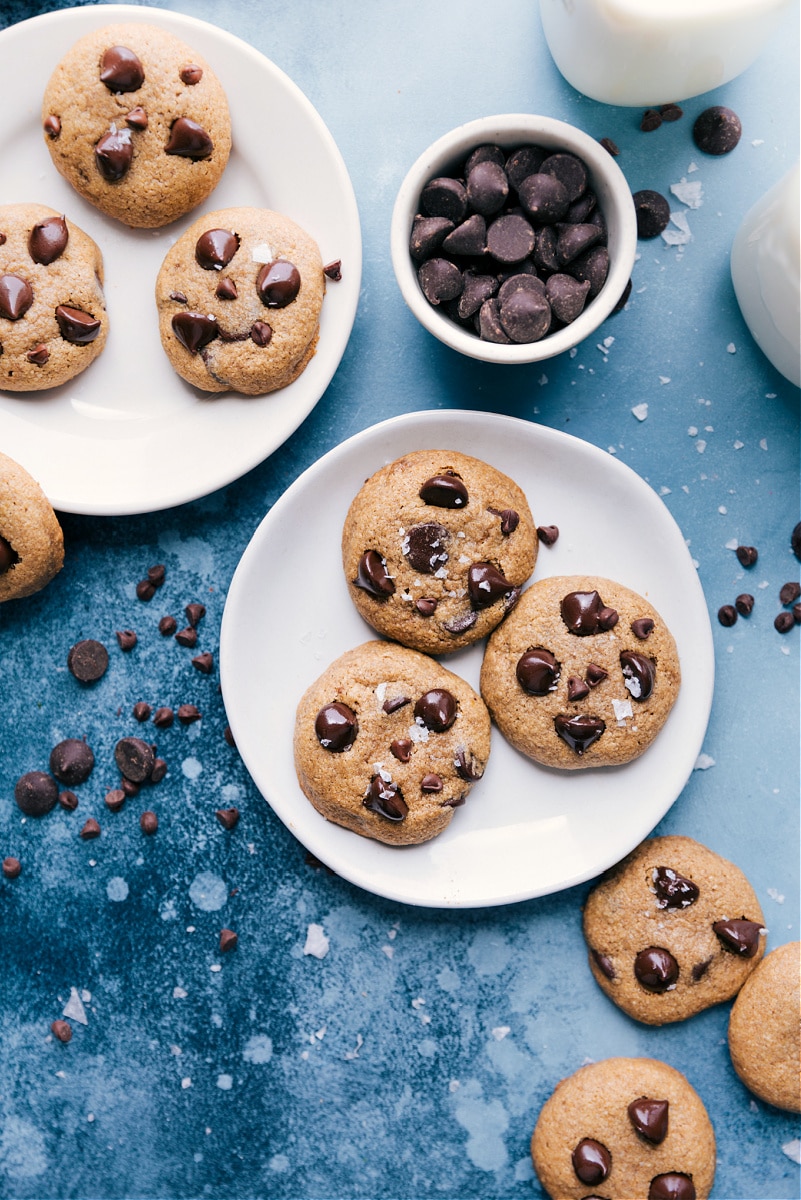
[{"x": 510, "y": 131}]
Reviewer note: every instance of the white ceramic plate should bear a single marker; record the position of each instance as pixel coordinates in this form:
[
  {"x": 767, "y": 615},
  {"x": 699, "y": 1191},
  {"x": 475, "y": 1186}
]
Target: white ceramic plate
[
  {"x": 128, "y": 435},
  {"x": 525, "y": 830}
]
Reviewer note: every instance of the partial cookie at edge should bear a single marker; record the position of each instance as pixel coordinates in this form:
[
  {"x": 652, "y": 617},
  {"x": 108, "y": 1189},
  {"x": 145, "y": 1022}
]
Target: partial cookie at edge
[{"x": 31, "y": 541}]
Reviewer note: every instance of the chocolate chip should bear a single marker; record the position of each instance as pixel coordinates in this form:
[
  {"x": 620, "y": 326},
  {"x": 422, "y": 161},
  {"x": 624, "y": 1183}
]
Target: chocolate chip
[
  {"x": 670, "y": 112},
  {"x": 604, "y": 964},
  {"x": 672, "y": 1186},
  {"x": 579, "y": 732},
  {"x": 461, "y": 622},
  {"x": 592, "y": 266},
  {"x": 372, "y": 575},
  {"x": 744, "y": 603},
  {"x": 717, "y": 130},
  {"x": 524, "y": 316},
  {"x": 204, "y": 663},
  {"x": 386, "y": 799},
  {"x": 48, "y": 240},
  {"x": 62, "y": 1030},
  {"x": 226, "y": 290},
  {"x": 191, "y": 74},
  {"x": 187, "y": 637},
  {"x": 440, "y": 280},
  {"x": 700, "y": 969},
  {"x": 610, "y": 146},
  {"x": 642, "y": 627},
  {"x": 228, "y": 940},
  {"x": 469, "y": 239},
  {"x": 194, "y": 330},
  {"x": 158, "y": 772},
  {"x": 394, "y": 703},
  {"x": 145, "y": 590},
  {"x": 187, "y": 714},
  {"x": 795, "y": 541},
  {"x": 486, "y": 583},
  {"x": 790, "y": 593},
  {"x": 68, "y": 800},
  {"x": 580, "y": 612},
  {"x": 261, "y": 333},
  {"x": 401, "y": 748},
  {"x": 595, "y": 674},
  {"x": 52, "y": 126},
  {"x": 510, "y": 238},
  {"x": 573, "y": 240},
  {"x": 467, "y": 766},
  {"x": 87, "y": 660},
  {"x": 747, "y": 555},
  {"x": 608, "y": 617},
  {"x": 426, "y": 606},
  {"x": 652, "y": 211},
  {"x": 8, "y": 556},
  {"x": 431, "y": 783},
  {"x": 547, "y": 534},
  {"x": 727, "y": 615},
  {"x": 129, "y": 788},
  {"x": 444, "y": 197},
  {"x": 489, "y": 152},
  {"x": 16, "y": 297},
  {"x": 797, "y": 614},
  {"x": 163, "y": 718},
  {"x": 537, "y": 671},
  {"x": 90, "y": 830},
  {"x": 228, "y": 817},
  {"x": 336, "y": 726},
  {"x": 577, "y": 689},
  {"x": 126, "y": 639},
  {"x": 142, "y": 711},
  {"x": 278, "y": 283},
  {"x": 77, "y": 327},
  {"x": 524, "y": 161},
  {"x": 114, "y": 155},
  {"x": 11, "y": 867},
  {"x": 783, "y": 622},
  {"x": 38, "y": 355},
  {"x": 437, "y": 710},
  {"x": 444, "y": 491},
  {"x": 656, "y": 969},
  {"x": 543, "y": 198},
  {"x": 650, "y": 120},
  {"x": 424, "y": 546},
  {"x": 566, "y": 296},
  {"x": 167, "y": 626},
  {"x": 333, "y": 270},
  {"x": 428, "y": 234},
  {"x": 591, "y": 1160},
  {"x": 137, "y": 118},
  {"x": 215, "y": 248},
  {"x": 71, "y": 761},
  {"x": 488, "y": 324},
  {"x": 189, "y": 140},
  {"x": 487, "y": 187},
  {"x": 741, "y": 936},
  {"x": 115, "y": 799},
  {"x": 134, "y": 758},
  {"x": 148, "y": 822},
  {"x": 509, "y": 520},
  {"x": 121, "y": 70},
  {"x": 650, "y": 1118},
  {"x": 673, "y": 890},
  {"x": 639, "y": 674}
]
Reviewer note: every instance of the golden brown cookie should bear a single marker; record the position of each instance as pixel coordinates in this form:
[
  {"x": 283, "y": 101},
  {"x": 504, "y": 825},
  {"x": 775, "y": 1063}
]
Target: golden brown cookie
[
  {"x": 625, "y": 1129},
  {"x": 239, "y": 298},
  {"x": 388, "y": 742},
  {"x": 435, "y": 548},
  {"x": 138, "y": 123},
  {"x": 583, "y": 673},
  {"x": 765, "y": 1029},
  {"x": 53, "y": 321},
  {"x": 672, "y": 929},
  {"x": 31, "y": 541}
]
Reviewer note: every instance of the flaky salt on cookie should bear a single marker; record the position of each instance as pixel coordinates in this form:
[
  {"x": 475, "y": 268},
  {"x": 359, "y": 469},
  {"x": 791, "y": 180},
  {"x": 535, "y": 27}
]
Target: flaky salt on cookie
[{"x": 31, "y": 541}]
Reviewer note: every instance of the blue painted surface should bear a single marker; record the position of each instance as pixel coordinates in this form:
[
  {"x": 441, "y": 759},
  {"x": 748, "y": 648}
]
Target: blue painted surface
[{"x": 412, "y": 1059}]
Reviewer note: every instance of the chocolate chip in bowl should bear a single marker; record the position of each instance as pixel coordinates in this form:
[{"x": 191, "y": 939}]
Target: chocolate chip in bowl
[{"x": 513, "y": 237}]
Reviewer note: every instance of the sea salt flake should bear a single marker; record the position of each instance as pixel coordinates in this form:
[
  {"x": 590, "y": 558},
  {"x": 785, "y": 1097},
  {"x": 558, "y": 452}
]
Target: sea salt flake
[
  {"x": 758, "y": 142},
  {"x": 74, "y": 1008},
  {"x": 723, "y": 510},
  {"x": 731, "y": 348},
  {"x": 692, "y": 430},
  {"x": 418, "y": 1002},
  {"x": 700, "y": 445},
  {"x": 692, "y": 167},
  {"x": 738, "y": 445},
  {"x": 623, "y": 710},
  {"x": 215, "y": 967},
  {"x": 317, "y": 944},
  {"x": 793, "y": 1150},
  {"x": 178, "y": 993},
  {"x": 389, "y": 951},
  {"x": 176, "y": 1051},
  {"x": 351, "y": 1054},
  {"x": 262, "y": 253},
  {"x": 664, "y": 379},
  {"x": 703, "y": 762},
  {"x": 640, "y": 411},
  {"x": 186, "y": 1082},
  {"x": 763, "y": 443},
  {"x": 688, "y": 193},
  {"x": 732, "y": 544},
  {"x": 543, "y": 379},
  {"x": 500, "y": 1032},
  {"x": 679, "y": 236},
  {"x": 664, "y": 491},
  {"x": 776, "y": 895}
]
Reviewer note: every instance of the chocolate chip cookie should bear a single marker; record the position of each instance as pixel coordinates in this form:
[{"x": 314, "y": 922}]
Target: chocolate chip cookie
[
  {"x": 436, "y": 547},
  {"x": 765, "y": 1029},
  {"x": 672, "y": 929},
  {"x": 625, "y": 1128},
  {"x": 138, "y": 123},
  {"x": 239, "y": 298},
  {"x": 583, "y": 673},
  {"x": 388, "y": 743},
  {"x": 53, "y": 321},
  {"x": 31, "y": 541}
]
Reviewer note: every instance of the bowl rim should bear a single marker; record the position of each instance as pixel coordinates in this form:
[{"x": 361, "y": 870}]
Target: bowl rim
[{"x": 509, "y": 130}]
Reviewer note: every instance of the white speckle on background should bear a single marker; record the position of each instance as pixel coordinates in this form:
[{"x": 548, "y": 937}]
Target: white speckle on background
[
  {"x": 22, "y": 1150},
  {"x": 117, "y": 889},
  {"x": 500, "y": 1032},
  {"x": 279, "y": 1163},
  {"x": 793, "y": 1150},
  {"x": 664, "y": 379},
  {"x": 389, "y": 951},
  {"x": 723, "y": 510},
  {"x": 178, "y": 993},
  {"x": 317, "y": 944},
  {"x": 776, "y": 895},
  {"x": 191, "y": 768},
  {"x": 186, "y": 1082},
  {"x": 354, "y": 1053},
  {"x": 738, "y": 445},
  {"x": 225, "y": 1082},
  {"x": 258, "y": 1049},
  {"x": 731, "y": 348},
  {"x": 74, "y": 1008},
  {"x": 543, "y": 379},
  {"x": 732, "y": 544},
  {"x": 703, "y": 762},
  {"x": 664, "y": 491},
  {"x": 700, "y": 445},
  {"x": 692, "y": 167},
  {"x": 208, "y": 892},
  {"x": 763, "y": 443},
  {"x": 640, "y": 411},
  {"x": 485, "y": 1122},
  {"x": 168, "y": 911}
]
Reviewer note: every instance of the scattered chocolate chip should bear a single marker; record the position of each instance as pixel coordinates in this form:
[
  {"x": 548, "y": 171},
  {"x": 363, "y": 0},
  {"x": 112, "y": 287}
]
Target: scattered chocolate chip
[
  {"x": 228, "y": 817},
  {"x": 126, "y": 639},
  {"x": 157, "y": 574},
  {"x": 228, "y": 941},
  {"x": 115, "y": 799},
  {"x": 577, "y": 689},
  {"x": 77, "y": 327},
  {"x": 62, "y": 1030},
  {"x": 444, "y": 491},
  {"x": 195, "y": 613},
  {"x": 604, "y": 964},
  {"x": 278, "y": 283},
  {"x": 12, "y": 867},
  {"x": 591, "y": 1160},
  {"x": 744, "y": 604},
  {"x": 790, "y": 593},
  {"x": 333, "y": 270},
  {"x": 670, "y": 112},
  {"x": 188, "y": 713},
  {"x": 652, "y": 211},
  {"x": 425, "y": 547},
  {"x": 650, "y": 120},
  {"x": 336, "y": 726},
  {"x": 16, "y": 297},
  {"x": 90, "y": 830},
  {"x": 386, "y": 799},
  {"x": 191, "y": 74},
  {"x": 128, "y": 787},
  {"x": 642, "y": 627},
  {"x": 797, "y": 614},
  {"x": 121, "y": 70},
  {"x": 595, "y": 674},
  {"x": 159, "y": 770},
  {"x": 579, "y": 732},
  {"x": 548, "y": 534},
  {"x": 673, "y": 890},
  {"x": 148, "y": 822},
  {"x": 727, "y": 615},
  {"x": 68, "y": 800},
  {"x": 52, "y": 126},
  {"x": 486, "y": 583},
  {"x": 656, "y": 969},
  {"x": 437, "y": 710},
  {"x": 137, "y": 118},
  {"x": 747, "y": 555},
  {"x": 48, "y": 240},
  {"x": 783, "y": 622},
  {"x": 114, "y": 155},
  {"x": 717, "y": 130},
  {"x": 145, "y": 590},
  {"x": 134, "y": 758},
  {"x": 194, "y": 330},
  {"x": 142, "y": 710},
  {"x": 204, "y": 663},
  {"x": 639, "y": 674},
  {"x": 187, "y": 637},
  {"x": 229, "y": 736},
  {"x": 71, "y": 761},
  {"x": 672, "y": 1186},
  {"x": 87, "y": 660},
  {"x": 189, "y": 140},
  {"x": 537, "y": 671},
  {"x": 650, "y": 1118},
  {"x": 741, "y": 936},
  {"x": 610, "y": 146},
  {"x": 401, "y": 748},
  {"x": 431, "y": 783},
  {"x": 163, "y": 718},
  {"x": 795, "y": 541},
  {"x": 167, "y": 626},
  {"x": 372, "y": 575}
]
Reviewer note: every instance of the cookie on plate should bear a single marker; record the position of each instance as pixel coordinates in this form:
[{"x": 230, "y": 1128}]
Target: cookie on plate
[
  {"x": 138, "y": 123},
  {"x": 31, "y": 541},
  {"x": 239, "y": 298},
  {"x": 765, "y": 1029},
  {"x": 53, "y": 320},
  {"x": 624, "y": 1128},
  {"x": 388, "y": 743},
  {"x": 436, "y": 547},
  {"x": 583, "y": 673},
  {"x": 672, "y": 929}
]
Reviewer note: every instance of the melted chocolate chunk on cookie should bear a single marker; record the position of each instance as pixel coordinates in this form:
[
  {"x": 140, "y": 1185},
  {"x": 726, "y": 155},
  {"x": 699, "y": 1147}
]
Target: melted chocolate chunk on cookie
[
  {"x": 604, "y": 964},
  {"x": 215, "y": 248},
  {"x": 580, "y": 612},
  {"x": 673, "y": 890},
  {"x": 336, "y": 727},
  {"x": 467, "y": 766},
  {"x": 591, "y": 1160},
  {"x": 401, "y": 748},
  {"x": 189, "y": 140},
  {"x": 424, "y": 546},
  {"x": 114, "y": 155},
  {"x": 577, "y": 689},
  {"x": 650, "y": 1118},
  {"x": 639, "y": 674},
  {"x": 426, "y": 606},
  {"x": 700, "y": 969},
  {"x": 16, "y": 297},
  {"x": 656, "y": 969},
  {"x": 579, "y": 732},
  {"x": 137, "y": 118},
  {"x": 486, "y": 584},
  {"x": 121, "y": 70},
  {"x": 77, "y": 327},
  {"x": 52, "y": 126},
  {"x": 595, "y": 674},
  {"x": 38, "y": 355},
  {"x": 48, "y": 240},
  {"x": 261, "y": 334},
  {"x": 191, "y": 74},
  {"x": 394, "y": 703},
  {"x": 386, "y": 799},
  {"x": 672, "y": 1186},
  {"x": 642, "y": 627},
  {"x": 278, "y": 283},
  {"x": 444, "y": 491},
  {"x": 8, "y": 555},
  {"x": 372, "y": 575},
  {"x": 226, "y": 290},
  {"x": 437, "y": 710},
  {"x": 509, "y": 519},
  {"x": 739, "y": 937},
  {"x": 431, "y": 783},
  {"x": 194, "y": 330}
]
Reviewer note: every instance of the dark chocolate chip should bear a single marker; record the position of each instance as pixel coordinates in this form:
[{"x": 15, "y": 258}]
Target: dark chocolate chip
[
  {"x": 624, "y": 296},
  {"x": 510, "y": 238},
  {"x": 428, "y": 234},
  {"x": 394, "y": 703},
  {"x": 592, "y": 266},
  {"x": 431, "y": 783},
  {"x": 467, "y": 766},
  {"x": 228, "y": 941},
  {"x": 569, "y": 170},
  {"x": 673, "y": 890},
  {"x": 650, "y": 1118},
  {"x": 261, "y": 333},
  {"x": 114, "y": 155},
  {"x": 167, "y": 626},
  {"x": 717, "y": 130},
  {"x": 489, "y": 152},
  {"x": 639, "y": 674},
  {"x": 187, "y": 714},
  {"x": 509, "y": 521},
  {"x": 36, "y": 793},
  {"x": 137, "y": 118},
  {"x": 121, "y": 70},
  {"x": 650, "y": 120},
  {"x": 579, "y": 732},
  {"x": 744, "y": 603},
  {"x": 538, "y": 671},
  {"x": 797, "y": 614},
  {"x": 426, "y": 606},
  {"x": 191, "y": 74},
  {"x": 476, "y": 289},
  {"x": 444, "y": 491},
  {"x": 204, "y": 663},
  {"x": 544, "y": 198},
  {"x": 440, "y": 280},
  {"x": 87, "y": 660},
  {"x": 595, "y": 674},
  {"x": 278, "y": 283},
  {"x": 52, "y": 126},
  {"x": 226, "y": 290},
  {"x": 16, "y": 297},
  {"x": 580, "y": 209},
  {"x": 401, "y": 748},
  {"x": 591, "y": 1160},
  {"x": 38, "y": 355},
  {"x": 437, "y": 710},
  {"x": 604, "y": 964},
  {"x": 573, "y": 240},
  {"x": 672, "y": 1186},
  {"x": 12, "y": 867},
  {"x": 461, "y": 622},
  {"x": 642, "y": 627},
  {"x": 187, "y": 637},
  {"x": 141, "y": 711},
  {"x": 790, "y": 592},
  {"x": 741, "y": 936},
  {"x": 48, "y": 240},
  {"x": 386, "y": 799},
  {"x": 126, "y": 639},
  {"x": 543, "y": 255},
  {"x": 566, "y": 296},
  {"x": 158, "y": 772},
  {"x": 652, "y": 211},
  {"x": 468, "y": 238},
  {"x": 581, "y": 611},
  {"x": 148, "y": 822},
  {"x": 577, "y": 689},
  {"x": 62, "y": 1030},
  {"x": 425, "y": 547},
  {"x": 656, "y": 969},
  {"x": 71, "y": 761},
  {"x": 129, "y": 788},
  {"x": 68, "y": 800},
  {"x": 610, "y": 146},
  {"x": 189, "y": 140},
  {"x": 333, "y": 270},
  {"x": 486, "y": 583},
  {"x": 77, "y": 327},
  {"x": 90, "y": 830},
  {"x": 228, "y": 817},
  {"x": 444, "y": 197},
  {"x": 163, "y": 717},
  {"x": 783, "y": 622},
  {"x": 488, "y": 324},
  {"x": 372, "y": 575},
  {"x": 727, "y": 615},
  {"x": 795, "y": 541},
  {"x": 487, "y": 188},
  {"x": 215, "y": 248},
  {"x": 194, "y": 330},
  {"x": 548, "y": 534},
  {"x": 195, "y": 612},
  {"x": 178, "y": 297},
  {"x": 115, "y": 799},
  {"x": 747, "y": 555},
  {"x": 523, "y": 162},
  {"x": 336, "y": 726},
  {"x": 134, "y": 758},
  {"x": 524, "y": 316},
  {"x": 700, "y": 969},
  {"x": 670, "y": 112}
]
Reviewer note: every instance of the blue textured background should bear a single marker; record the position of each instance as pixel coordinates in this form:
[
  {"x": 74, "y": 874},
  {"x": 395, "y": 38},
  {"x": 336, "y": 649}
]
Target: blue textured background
[{"x": 412, "y": 1060}]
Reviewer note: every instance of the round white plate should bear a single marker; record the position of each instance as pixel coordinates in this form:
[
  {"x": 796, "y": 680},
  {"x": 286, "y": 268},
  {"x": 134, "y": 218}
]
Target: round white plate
[
  {"x": 128, "y": 435},
  {"x": 525, "y": 830}
]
